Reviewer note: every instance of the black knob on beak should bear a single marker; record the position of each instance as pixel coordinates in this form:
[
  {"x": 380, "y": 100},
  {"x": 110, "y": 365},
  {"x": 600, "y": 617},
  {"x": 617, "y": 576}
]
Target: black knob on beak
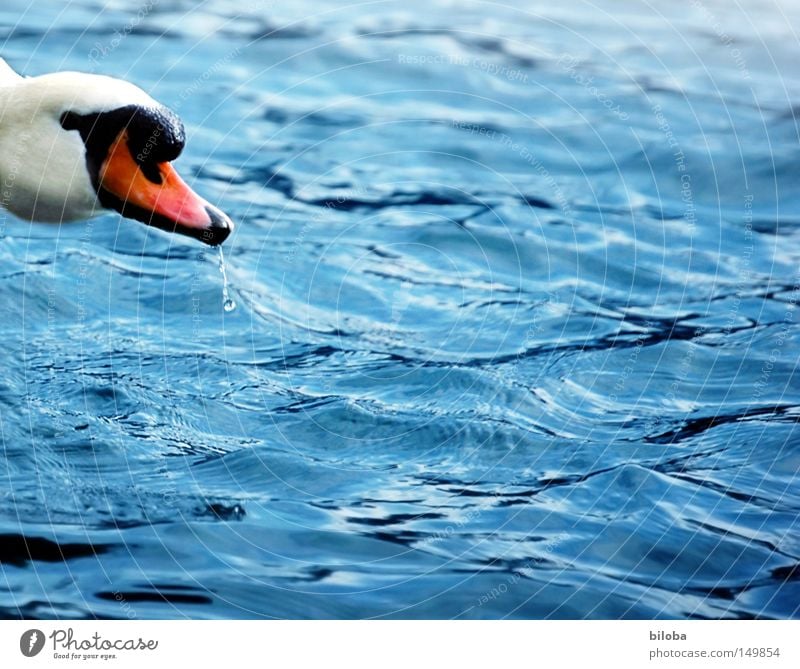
[{"x": 217, "y": 232}]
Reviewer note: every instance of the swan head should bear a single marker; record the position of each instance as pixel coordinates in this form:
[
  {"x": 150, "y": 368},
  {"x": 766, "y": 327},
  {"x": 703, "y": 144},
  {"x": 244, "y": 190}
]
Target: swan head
[{"x": 125, "y": 142}]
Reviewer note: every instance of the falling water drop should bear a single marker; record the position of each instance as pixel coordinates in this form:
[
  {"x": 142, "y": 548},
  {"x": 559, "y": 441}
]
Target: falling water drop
[{"x": 227, "y": 301}]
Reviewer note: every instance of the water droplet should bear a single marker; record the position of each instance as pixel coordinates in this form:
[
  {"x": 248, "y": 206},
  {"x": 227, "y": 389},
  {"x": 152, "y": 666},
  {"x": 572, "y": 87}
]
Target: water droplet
[{"x": 227, "y": 301}]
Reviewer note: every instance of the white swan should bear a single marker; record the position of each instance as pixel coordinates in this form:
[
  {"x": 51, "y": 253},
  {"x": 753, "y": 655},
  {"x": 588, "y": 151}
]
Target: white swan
[{"x": 73, "y": 145}]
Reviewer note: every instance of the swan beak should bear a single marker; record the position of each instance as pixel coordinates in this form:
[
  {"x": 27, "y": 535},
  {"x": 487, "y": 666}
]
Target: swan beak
[{"x": 155, "y": 194}]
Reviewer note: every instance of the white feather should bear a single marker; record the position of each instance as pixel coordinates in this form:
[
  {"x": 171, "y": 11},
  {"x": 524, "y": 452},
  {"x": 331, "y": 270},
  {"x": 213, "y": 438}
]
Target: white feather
[
  {"x": 43, "y": 175},
  {"x": 7, "y": 75}
]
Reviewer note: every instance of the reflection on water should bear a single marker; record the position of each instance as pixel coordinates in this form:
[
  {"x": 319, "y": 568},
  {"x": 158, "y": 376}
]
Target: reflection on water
[{"x": 515, "y": 332}]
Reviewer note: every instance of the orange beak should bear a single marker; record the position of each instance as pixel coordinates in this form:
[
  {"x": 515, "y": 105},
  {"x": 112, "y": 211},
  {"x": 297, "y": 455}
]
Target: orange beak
[{"x": 159, "y": 198}]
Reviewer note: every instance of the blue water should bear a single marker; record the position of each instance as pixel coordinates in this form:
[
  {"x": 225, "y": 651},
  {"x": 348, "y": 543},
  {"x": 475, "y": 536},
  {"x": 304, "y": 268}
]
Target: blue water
[{"x": 516, "y": 328}]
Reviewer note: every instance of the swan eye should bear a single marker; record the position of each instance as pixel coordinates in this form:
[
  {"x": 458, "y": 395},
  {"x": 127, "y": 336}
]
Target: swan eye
[{"x": 151, "y": 171}]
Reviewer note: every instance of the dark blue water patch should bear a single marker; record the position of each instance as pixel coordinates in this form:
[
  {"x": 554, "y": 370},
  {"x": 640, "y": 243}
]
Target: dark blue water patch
[
  {"x": 17, "y": 550},
  {"x": 156, "y": 595}
]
